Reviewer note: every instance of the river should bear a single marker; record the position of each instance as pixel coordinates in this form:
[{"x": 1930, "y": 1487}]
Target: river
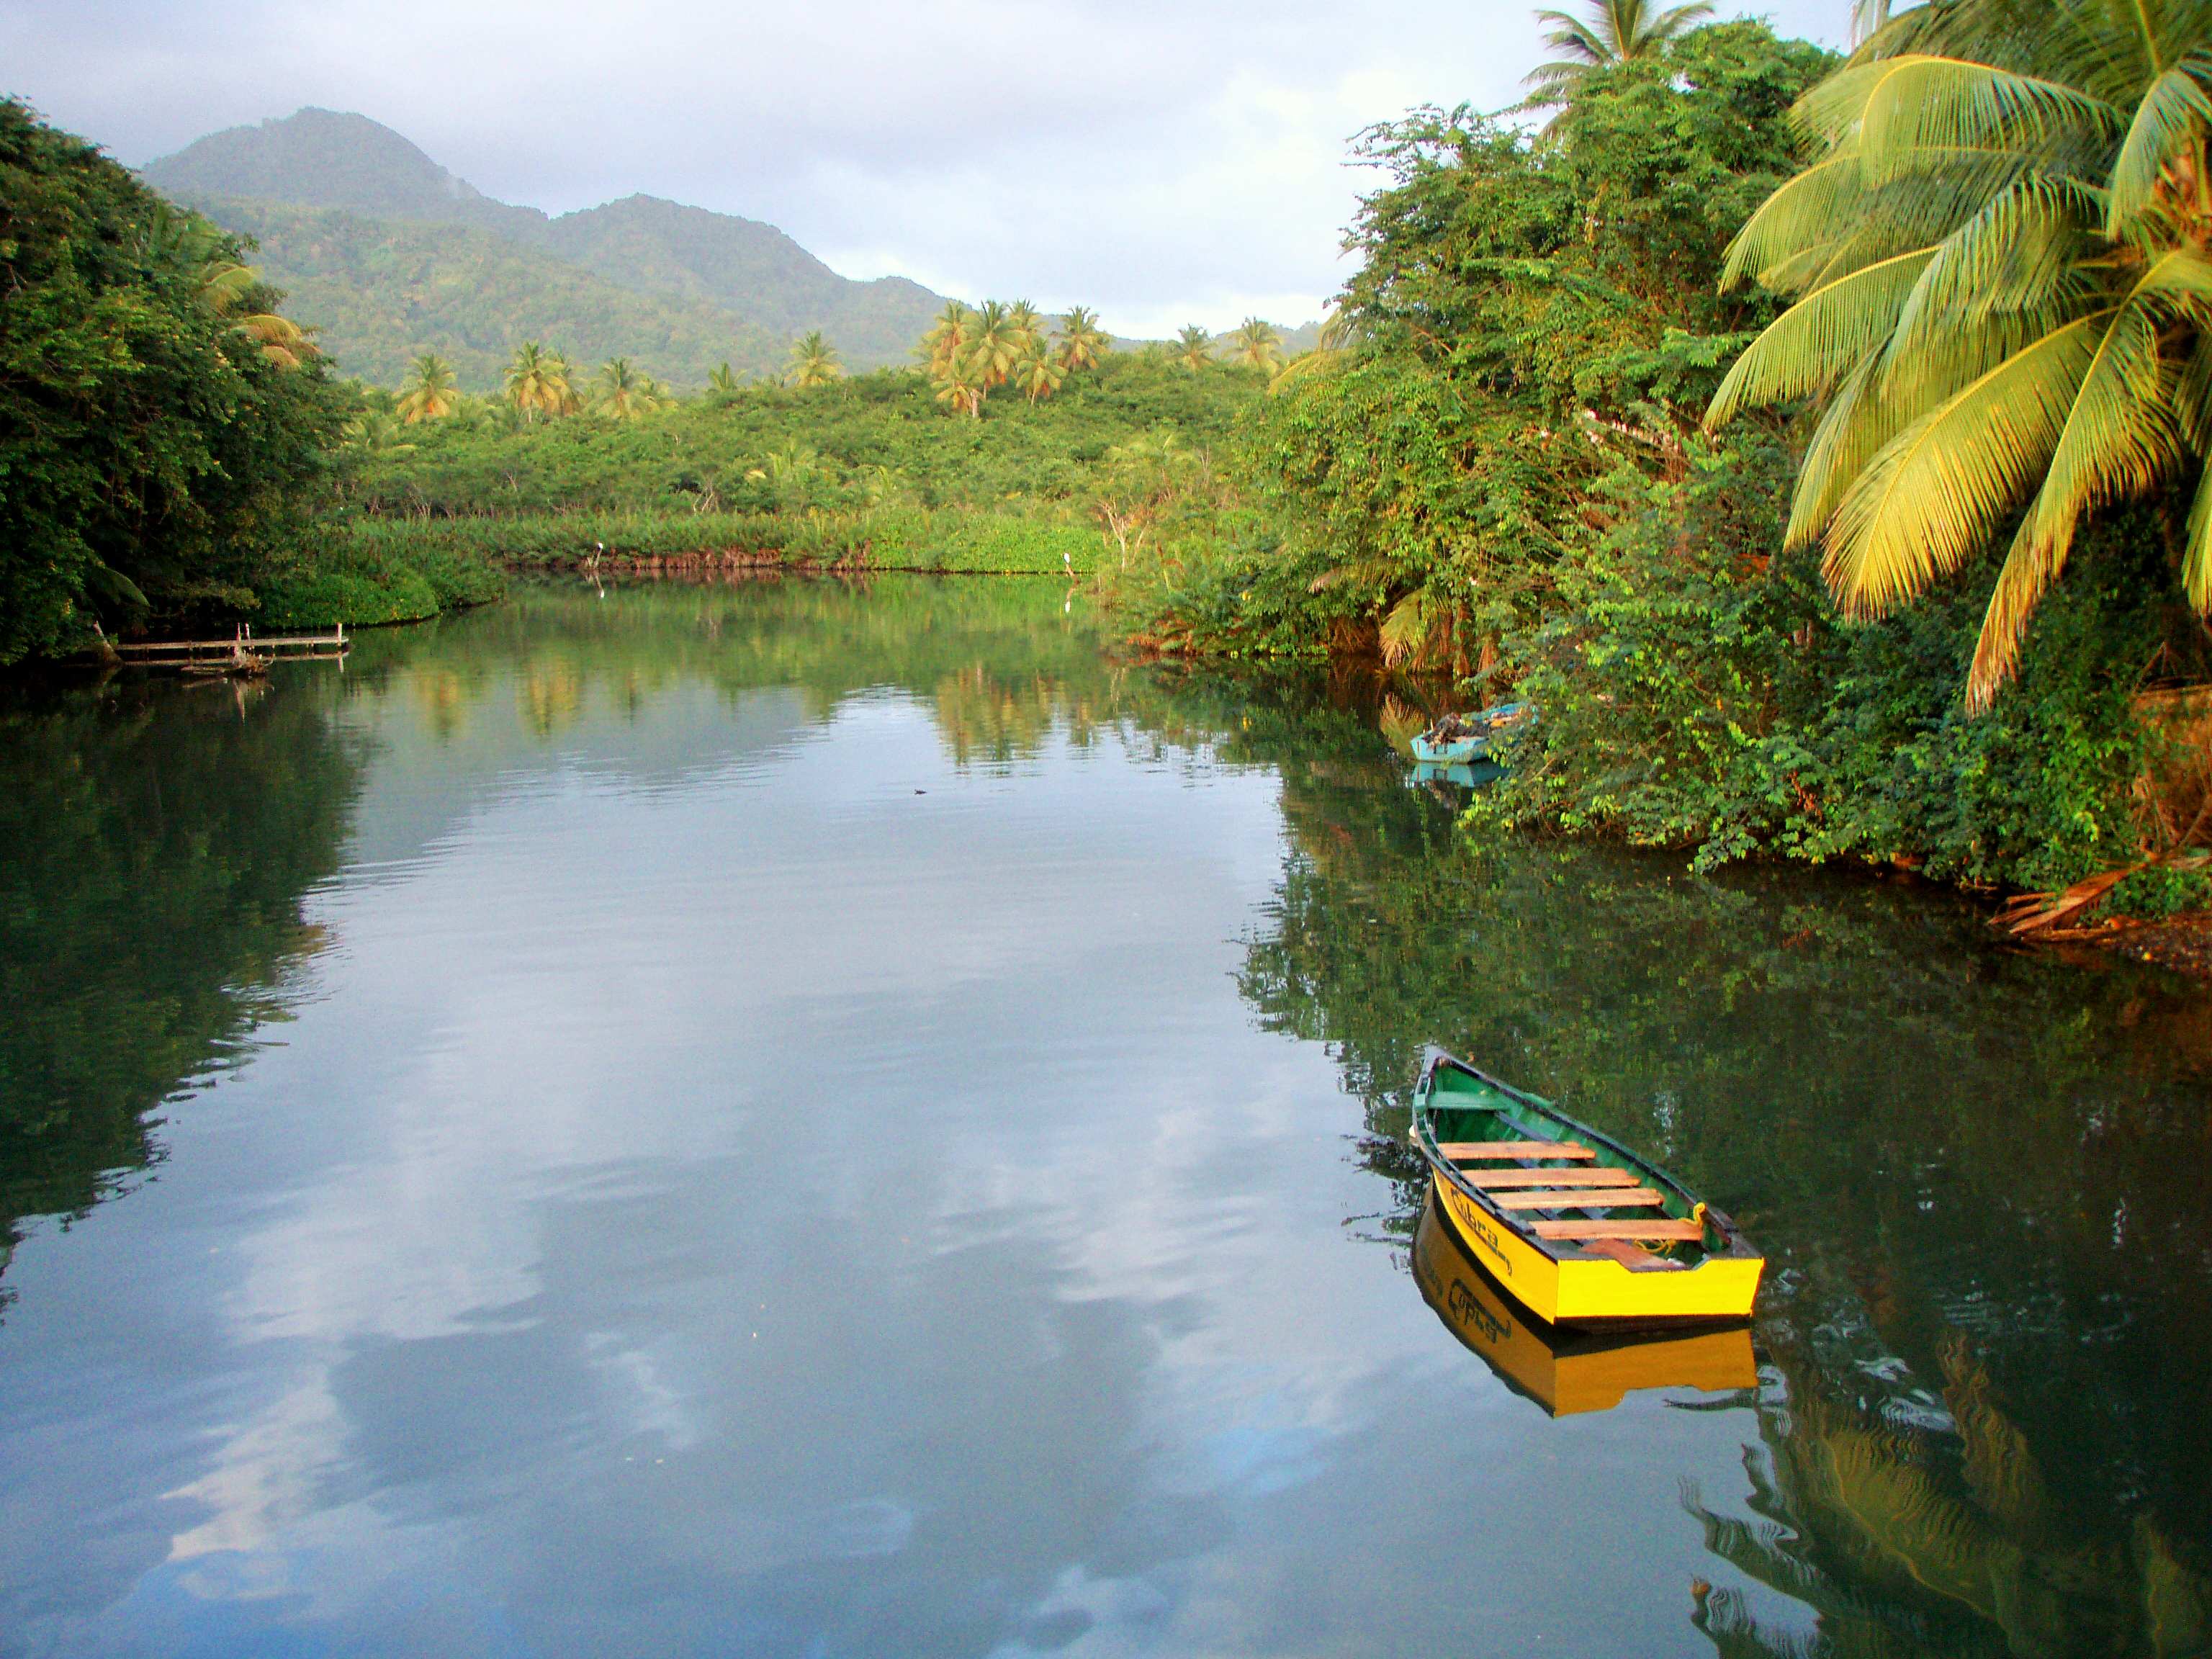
[{"x": 817, "y": 1119}]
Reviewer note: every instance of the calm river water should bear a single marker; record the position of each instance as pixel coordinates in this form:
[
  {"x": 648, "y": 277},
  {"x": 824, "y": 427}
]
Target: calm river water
[{"x": 796, "y": 1119}]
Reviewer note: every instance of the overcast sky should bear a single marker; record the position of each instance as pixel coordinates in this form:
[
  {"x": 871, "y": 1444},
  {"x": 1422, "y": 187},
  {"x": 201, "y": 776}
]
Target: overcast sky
[{"x": 1166, "y": 160}]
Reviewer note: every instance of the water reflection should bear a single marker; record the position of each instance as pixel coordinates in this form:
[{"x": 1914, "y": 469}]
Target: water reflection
[
  {"x": 1562, "y": 1372},
  {"x": 1981, "y": 1176},
  {"x": 159, "y": 841},
  {"x": 813, "y": 1117}
]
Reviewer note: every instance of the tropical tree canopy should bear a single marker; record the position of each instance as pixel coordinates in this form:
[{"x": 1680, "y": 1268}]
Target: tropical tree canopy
[
  {"x": 814, "y": 360},
  {"x": 1999, "y": 248},
  {"x": 159, "y": 421},
  {"x": 1615, "y": 31},
  {"x": 431, "y": 392},
  {"x": 1194, "y": 346}
]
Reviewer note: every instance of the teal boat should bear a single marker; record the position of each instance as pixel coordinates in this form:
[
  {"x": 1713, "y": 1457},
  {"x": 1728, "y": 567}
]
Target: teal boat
[{"x": 1463, "y": 740}]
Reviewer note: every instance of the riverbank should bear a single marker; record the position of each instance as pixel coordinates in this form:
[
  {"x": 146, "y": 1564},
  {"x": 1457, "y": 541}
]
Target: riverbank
[
  {"x": 2181, "y": 944},
  {"x": 365, "y": 571}
]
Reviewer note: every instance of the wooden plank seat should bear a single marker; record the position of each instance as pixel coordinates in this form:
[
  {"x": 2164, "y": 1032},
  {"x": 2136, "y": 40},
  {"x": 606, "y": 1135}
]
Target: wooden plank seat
[
  {"x": 1489, "y": 1179},
  {"x": 1661, "y": 1232},
  {"x": 1580, "y": 1198},
  {"x": 1634, "y": 1257},
  {"x": 1468, "y": 1152}
]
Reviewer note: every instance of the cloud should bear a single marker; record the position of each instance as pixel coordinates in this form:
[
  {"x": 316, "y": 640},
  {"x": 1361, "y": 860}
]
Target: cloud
[{"x": 1166, "y": 162}]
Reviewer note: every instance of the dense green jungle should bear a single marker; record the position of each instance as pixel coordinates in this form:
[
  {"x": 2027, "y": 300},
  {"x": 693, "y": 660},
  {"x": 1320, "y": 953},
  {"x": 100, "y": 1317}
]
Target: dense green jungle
[
  {"x": 1813, "y": 439},
  {"x": 1977, "y": 1172}
]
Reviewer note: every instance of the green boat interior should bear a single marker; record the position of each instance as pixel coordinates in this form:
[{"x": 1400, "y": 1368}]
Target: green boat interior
[{"x": 1572, "y": 1187}]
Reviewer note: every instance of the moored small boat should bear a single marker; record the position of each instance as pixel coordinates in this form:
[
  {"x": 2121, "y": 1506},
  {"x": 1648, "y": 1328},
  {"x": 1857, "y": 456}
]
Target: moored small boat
[
  {"x": 1460, "y": 739},
  {"x": 1579, "y": 1230},
  {"x": 1566, "y": 1372}
]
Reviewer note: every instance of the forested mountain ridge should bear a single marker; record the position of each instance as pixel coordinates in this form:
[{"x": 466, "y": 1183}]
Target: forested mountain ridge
[
  {"x": 342, "y": 203},
  {"x": 382, "y": 291}
]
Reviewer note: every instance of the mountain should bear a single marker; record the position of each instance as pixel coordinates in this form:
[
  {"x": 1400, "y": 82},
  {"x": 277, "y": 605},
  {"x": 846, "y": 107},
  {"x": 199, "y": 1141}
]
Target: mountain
[
  {"x": 382, "y": 291},
  {"x": 749, "y": 268},
  {"x": 389, "y": 254}
]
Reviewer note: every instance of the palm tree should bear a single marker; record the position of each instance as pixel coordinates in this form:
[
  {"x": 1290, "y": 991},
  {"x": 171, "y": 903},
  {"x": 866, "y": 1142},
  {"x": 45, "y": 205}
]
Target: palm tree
[
  {"x": 991, "y": 345},
  {"x": 947, "y": 338},
  {"x": 623, "y": 393},
  {"x": 1340, "y": 333},
  {"x": 432, "y": 394},
  {"x": 1037, "y": 373},
  {"x": 2006, "y": 299},
  {"x": 1193, "y": 347},
  {"x": 1256, "y": 345},
  {"x": 1027, "y": 323},
  {"x": 722, "y": 384},
  {"x": 814, "y": 360},
  {"x": 538, "y": 381},
  {"x": 1618, "y": 30},
  {"x": 186, "y": 241},
  {"x": 1082, "y": 341},
  {"x": 958, "y": 393}
]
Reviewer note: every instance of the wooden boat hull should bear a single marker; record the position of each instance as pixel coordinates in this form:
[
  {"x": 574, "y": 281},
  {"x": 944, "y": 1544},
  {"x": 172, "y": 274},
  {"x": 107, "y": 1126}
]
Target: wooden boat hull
[
  {"x": 1570, "y": 1283},
  {"x": 1564, "y": 1371}
]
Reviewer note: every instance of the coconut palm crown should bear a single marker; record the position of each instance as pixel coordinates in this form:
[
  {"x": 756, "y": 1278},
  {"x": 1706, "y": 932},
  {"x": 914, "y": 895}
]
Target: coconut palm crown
[
  {"x": 814, "y": 360},
  {"x": 2006, "y": 310},
  {"x": 1616, "y": 31},
  {"x": 431, "y": 393},
  {"x": 538, "y": 381},
  {"x": 1256, "y": 345},
  {"x": 1082, "y": 341},
  {"x": 1192, "y": 347}
]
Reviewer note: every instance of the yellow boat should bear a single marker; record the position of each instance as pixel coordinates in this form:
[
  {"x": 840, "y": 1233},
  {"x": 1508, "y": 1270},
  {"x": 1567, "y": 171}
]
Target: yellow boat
[
  {"x": 1579, "y": 1230},
  {"x": 1565, "y": 1372}
]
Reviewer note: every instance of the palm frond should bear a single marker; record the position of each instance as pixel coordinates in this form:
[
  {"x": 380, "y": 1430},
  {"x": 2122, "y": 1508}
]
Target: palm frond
[
  {"x": 1572, "y": 38},
  {"x": 1898, "y": 109},
  {"x": 2018, "y": 254},
  {"x": 1808, "y": 208},
  {"x": 2026, "y": 575},
  {"x": 1851, "y": 431},
  {"x": 1933, "y": 495},
  {"x": 2120, "y": 439},
  {"x": 2121, "y": 436},
  {"x": 2175, "y": 110},
  {"x": 1814, "y": 342},
  {"x": 2196, "y": 550}
]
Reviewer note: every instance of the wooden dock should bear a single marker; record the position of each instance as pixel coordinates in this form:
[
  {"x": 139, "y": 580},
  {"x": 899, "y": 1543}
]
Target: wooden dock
[{"x": 244, "y": 653}]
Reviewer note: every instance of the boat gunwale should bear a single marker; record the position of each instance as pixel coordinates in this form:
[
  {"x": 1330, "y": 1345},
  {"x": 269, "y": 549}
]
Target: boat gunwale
[{"x": 1734, "y": 1245}]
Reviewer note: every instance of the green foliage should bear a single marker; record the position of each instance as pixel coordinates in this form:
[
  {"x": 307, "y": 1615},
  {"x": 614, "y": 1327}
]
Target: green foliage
[
  {"x": 871, "y": 446},
  {"x": 457, "y": 556},
  {"x": 2006, "y": 306},
  {"x": 149, "y": 431},
  {"x": 364, "y": 580},
  {"x": 1697, "y": 692},
  {"x": 1527, "y": 313},
  {"x": 1495, "y": 468}
]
